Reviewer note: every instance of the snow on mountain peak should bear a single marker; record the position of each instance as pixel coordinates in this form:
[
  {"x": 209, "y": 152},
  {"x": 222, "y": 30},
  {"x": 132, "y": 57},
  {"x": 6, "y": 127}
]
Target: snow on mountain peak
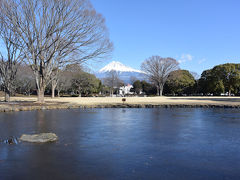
[{"x": 117, "y": 66}]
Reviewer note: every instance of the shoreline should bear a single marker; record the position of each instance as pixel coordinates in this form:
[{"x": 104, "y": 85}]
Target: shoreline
[{"x": 29, "y": 104}]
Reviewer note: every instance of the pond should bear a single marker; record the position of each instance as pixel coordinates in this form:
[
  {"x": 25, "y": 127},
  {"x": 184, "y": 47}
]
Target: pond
[{"x": 157, "y": 143}]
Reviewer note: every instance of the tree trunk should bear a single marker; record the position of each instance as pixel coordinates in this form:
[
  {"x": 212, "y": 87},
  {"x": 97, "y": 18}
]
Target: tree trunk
[
  {"x": 53, "y": 91},
  {"x": 111, "y": 93},
  {"x": 229, "y": 93},
  {"x": 54, "y": 85},
  {"x": 58, "y": 93},
  {"x": 160, "y": 92},
  {"x": 79, "y": 92},
  {"x": 41, "y": 95},
  {"x": 7, "y": 96},
  {"x": 41, "y": 85}
]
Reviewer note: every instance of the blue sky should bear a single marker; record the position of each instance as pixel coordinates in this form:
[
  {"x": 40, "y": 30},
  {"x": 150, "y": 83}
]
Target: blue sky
[{"x": 200, "y": 34}]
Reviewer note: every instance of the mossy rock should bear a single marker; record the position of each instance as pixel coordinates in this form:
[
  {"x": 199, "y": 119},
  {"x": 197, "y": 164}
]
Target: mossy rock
[{"x": 39, "y": 138}]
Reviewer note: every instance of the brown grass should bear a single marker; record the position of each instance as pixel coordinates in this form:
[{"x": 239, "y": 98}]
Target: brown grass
[{"x": 133, "y": 100}]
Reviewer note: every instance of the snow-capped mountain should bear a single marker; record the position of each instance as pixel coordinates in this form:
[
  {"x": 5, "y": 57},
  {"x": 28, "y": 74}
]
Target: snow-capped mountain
[
  {"x": 126, "y": 73},
  {"x": 119, "y": 67}
]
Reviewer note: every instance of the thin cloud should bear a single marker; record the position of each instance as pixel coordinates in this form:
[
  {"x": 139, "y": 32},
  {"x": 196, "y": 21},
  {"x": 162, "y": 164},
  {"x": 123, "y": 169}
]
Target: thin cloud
[
  {"x": 185, "y": 58},
  {"x": 201, "y": 61}
]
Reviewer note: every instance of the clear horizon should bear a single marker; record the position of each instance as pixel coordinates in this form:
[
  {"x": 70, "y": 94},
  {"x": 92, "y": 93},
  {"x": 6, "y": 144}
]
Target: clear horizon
[{"x": 199, "y": 34}]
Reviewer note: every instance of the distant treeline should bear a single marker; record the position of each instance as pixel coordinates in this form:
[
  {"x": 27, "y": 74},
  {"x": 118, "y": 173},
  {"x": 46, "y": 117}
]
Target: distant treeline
[
  {"x": 221, "y": 80},
  {"x": 70, "y": 81},
  {"x": 74, "y": 81}
]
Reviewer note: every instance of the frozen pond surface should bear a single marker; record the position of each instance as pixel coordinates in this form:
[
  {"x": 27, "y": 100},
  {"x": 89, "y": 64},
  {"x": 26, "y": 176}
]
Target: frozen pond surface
[{"x": 158, "y": 143}]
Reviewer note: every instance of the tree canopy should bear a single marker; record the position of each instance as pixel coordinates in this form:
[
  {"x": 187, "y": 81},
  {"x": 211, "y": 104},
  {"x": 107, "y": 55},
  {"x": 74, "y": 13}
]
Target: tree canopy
[
  {"x": 220, "y": 79},
  {"x": 180, "y": 82}
]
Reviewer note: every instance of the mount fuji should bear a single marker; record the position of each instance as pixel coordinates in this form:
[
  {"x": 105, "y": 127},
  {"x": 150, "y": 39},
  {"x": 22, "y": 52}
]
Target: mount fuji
[{"x": 126, "y": 73}]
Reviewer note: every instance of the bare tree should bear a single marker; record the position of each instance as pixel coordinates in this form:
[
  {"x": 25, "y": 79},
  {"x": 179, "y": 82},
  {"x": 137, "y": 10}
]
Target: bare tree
[
  {"x": 81, "y": 82},
  {"x": 66, "y": 76},
  {"x": 25, "y": 80},
  {"x": 61, "y": 85},
  {"x": 157, "y": 70},
  {"x": 112, "y": 81},
  {"x": 55, "y": 77},
  {"x": 133, "y": 79},
  {"x": 10, "y": 58},
  {"x": 53, "y": 33},
  {"x": 195, "y": 75}
]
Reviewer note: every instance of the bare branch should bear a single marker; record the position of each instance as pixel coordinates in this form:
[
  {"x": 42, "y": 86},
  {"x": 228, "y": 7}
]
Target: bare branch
[
  {"x": 157, "y": 70},
  {"x": 54, "y": 33}
]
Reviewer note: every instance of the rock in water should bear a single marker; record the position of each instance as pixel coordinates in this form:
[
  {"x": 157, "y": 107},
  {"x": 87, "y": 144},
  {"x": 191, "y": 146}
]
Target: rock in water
[{"x": 39, "y": 138}]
